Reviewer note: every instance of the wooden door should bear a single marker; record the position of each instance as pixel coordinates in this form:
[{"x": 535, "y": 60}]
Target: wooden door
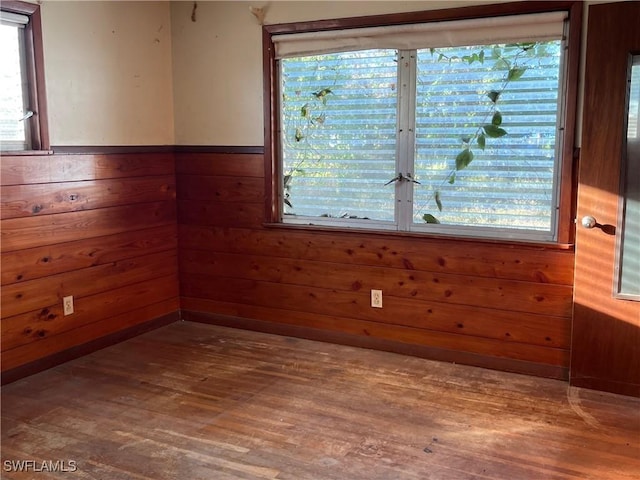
[{"x": 605, "y": 349}]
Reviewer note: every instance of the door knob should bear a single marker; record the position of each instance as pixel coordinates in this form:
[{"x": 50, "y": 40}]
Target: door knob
[{"x": 588, "y": 221}]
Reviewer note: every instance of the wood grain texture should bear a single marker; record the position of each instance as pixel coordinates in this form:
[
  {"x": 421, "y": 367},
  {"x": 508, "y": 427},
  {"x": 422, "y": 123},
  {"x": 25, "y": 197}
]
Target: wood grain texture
[
  {"x": 44, "y": 199},
  {"x": 50, "y": 320},
  {"x": 241, "y": 165},
  {"x": 460, "y": 328},
  {"x": 232, "y": 214},
  {"x": 486, "y": 352},
  {"x": 200, "y": 402},
  {"x": 428, "y": 315},
  {"x": 485, "y": 300},
  {"x": 420, "y": 253},
  {"x": 221, "y": 188},
  {"x": 538, "y": 298},
  {"x": 43, "y": 292},
  {"x": 20, "y": 233},
  {"x": 31, "y": 263},
  {"x": 101, "y": 228},
  {"x": 343, "y": 331},
  {"x": 90, "y": 346},
  {"x": 35, "y": 350},
  {"x": 19, "y": 170},
  {"x": 606, "y": 329}
]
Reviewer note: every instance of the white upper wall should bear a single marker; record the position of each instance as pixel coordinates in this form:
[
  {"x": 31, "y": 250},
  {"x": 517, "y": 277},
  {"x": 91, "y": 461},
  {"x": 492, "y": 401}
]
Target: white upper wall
[
  {"x": 217, "y": 61},
  {"x": 144, "y": 73},
  {"x": 108, "y": 72}
]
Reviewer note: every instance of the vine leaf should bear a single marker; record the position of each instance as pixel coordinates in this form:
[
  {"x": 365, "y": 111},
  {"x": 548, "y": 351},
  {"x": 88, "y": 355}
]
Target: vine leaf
[
  {"x": 299, "y": 136},
  {"x": 503, "y": 64},
  {"x": 464, "y": 158},
  {"x": 452, "y": 178},
  {"x": 493, "y": 95},
  {"x": 322, "y": 95},
  {"x": 497, "y": 119},
  {"x": 427, "y": 217},
  {"x": 304, "y": 111},
  {"x": 482, "y": 140},
  {"x": 515, "y": 73},
  {"x": 438, "y": 200},
  {"x": 494, "y": 131}
]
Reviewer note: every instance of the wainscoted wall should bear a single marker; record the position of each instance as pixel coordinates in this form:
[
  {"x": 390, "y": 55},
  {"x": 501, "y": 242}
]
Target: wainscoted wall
[
  {"x": 99, "y": 227},
  {"x": 103, "y": 229},
  {"x": 487, "y": 304}
]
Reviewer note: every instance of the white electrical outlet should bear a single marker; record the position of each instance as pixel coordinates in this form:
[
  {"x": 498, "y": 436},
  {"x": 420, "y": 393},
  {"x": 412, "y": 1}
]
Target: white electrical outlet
[
  {"x": 67, "y": 305},
  {"x": 376, "y": 298}
]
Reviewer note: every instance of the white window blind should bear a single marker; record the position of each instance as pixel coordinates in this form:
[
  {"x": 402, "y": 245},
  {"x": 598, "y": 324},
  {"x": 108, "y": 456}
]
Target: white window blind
[
  {"x": 511, "y": 183},
  {"x": 14, "y": 19},
  {"x": 506, "y": 29},
  {"x": 339, "y": 134}
]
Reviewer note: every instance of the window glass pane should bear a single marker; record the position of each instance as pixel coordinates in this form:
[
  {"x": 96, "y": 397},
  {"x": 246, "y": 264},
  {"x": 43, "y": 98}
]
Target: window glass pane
[
  {"x": 12, "y": 130},
  {"x": 510, "y": 183},
  {"x": 338, "y": 137},
  {"x": 628, "y": 248}
]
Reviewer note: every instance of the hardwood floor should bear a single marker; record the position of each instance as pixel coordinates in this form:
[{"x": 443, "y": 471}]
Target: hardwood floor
[{"x": 194, "y": 401}]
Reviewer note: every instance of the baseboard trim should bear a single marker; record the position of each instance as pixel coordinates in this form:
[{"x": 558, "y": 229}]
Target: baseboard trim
[
  {"x": 604, "y": 385},
  {"x": 86, "y": 348},
  {"x": 422, "y": 351}
]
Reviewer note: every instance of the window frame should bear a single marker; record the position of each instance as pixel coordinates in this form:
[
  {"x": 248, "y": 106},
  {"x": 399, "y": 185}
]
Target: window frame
[
  {"x": 567, "y": 169},
  {"x": 38, "y": 128}
]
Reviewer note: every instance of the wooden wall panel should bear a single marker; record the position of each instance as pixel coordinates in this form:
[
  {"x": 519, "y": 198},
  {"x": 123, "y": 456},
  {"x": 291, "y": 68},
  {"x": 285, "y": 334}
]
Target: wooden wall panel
[
  {"x": 221, "y": 189},
  {"x": 482, "y": 302},
  {"x": 41, "y": 199},
  {"x": 24, "y": 355},
  {"x": 43, "y": 292},
  {"x": 430, "y": 316},
  {"x": 551, "y": 358},
  {"x": 26, "y": 170},
  {"x": 530, "y": 264},
  {"x": 250, "y": 215},
  {"x": 48, "y": 321},
  {"x": 39, "y": 230},
  {"x": 101, "y": 228},
  {"x": 30, "y": 263},
  {"x": 538, "y": 298}
]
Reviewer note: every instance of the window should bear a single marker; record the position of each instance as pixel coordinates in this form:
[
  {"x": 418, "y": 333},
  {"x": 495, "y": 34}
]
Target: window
[
  {"x": 22, "y": 101},
  {"x": 454, "y": 127}
]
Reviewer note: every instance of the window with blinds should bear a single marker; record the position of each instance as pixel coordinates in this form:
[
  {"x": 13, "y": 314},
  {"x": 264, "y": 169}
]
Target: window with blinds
[
  {"x": 423, "y": 128},
  {"x": 339, "y": 134},
  {"x": 14, "y": 134}
]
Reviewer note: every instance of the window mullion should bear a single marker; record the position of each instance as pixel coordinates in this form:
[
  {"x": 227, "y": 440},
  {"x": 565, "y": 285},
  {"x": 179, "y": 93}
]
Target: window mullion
[
  {"x": 406, "y": 138},
  {"x": 560, "y": 135}
]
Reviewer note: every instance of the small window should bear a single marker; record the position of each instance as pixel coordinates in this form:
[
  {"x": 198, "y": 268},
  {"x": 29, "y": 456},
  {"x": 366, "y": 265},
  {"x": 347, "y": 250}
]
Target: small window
[
  {"x": 453, "y": 127},
  {"x": 22, "y": 103}
]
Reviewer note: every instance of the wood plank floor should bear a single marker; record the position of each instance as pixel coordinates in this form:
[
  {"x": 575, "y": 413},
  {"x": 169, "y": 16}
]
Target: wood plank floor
[{"x": 194, "y": 401}]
